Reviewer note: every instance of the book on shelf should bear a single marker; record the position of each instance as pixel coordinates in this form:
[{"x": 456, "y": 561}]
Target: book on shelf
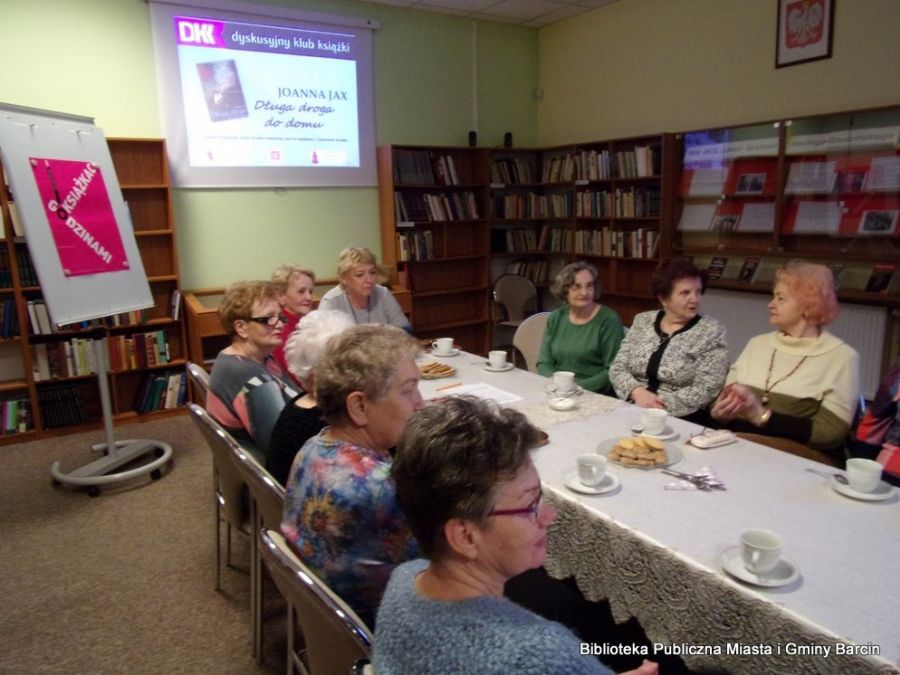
[
  {"x": 757, "y": 217},
  {"x": 880, "y": 222},
  {"x": 748, "y": 269},
  {"x": 850, "y": 181},
  {"x": 810, "y": 177},
  {"x": 696, "y": 217},
  {"x": 880, "y": 277},
  {"x": 884, "y": 174},
  {"x": 716, "y": 267},
  {"x": 175, "y": 304},
  {"x": 855, "y": 276},
  {"x": 18, "y": 230},
  {"x": 814, "y": 217},
  {"x": 766, "y": 269},
  {"x": 725, "y": 223}
]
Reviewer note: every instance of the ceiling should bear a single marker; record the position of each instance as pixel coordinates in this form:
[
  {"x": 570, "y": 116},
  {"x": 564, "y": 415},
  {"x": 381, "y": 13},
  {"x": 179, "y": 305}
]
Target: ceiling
[{"x": 534, "y": 13}]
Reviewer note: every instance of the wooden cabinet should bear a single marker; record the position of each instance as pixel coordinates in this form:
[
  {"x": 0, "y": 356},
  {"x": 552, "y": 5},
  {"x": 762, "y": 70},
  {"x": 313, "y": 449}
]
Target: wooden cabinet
[
  {"x": 434, "y": 231},
  {"x": 46, "y": 380},
  {"x": 823, "y": 188}
]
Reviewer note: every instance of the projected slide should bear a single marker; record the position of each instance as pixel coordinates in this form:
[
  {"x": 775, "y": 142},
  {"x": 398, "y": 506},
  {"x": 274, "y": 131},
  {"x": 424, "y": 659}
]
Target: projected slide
[{"x": 268, "y": 96}]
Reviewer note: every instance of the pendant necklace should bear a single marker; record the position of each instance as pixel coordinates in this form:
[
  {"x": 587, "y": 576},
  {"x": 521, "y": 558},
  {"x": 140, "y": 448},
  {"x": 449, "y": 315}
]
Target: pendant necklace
[{"x": 766, "y": 387}]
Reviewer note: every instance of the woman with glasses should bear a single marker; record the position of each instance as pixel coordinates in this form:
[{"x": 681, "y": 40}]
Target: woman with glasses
[
  {"x": 582, "y": 336},
  {"x": 246, "y": 386},
  {"x": 359, "y": 294},
  {"x": 472, "y": 496}
]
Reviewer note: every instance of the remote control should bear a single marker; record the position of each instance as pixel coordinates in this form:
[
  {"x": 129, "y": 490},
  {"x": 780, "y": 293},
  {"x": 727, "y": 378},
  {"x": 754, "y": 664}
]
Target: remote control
[{"x": 712, "y": 438}]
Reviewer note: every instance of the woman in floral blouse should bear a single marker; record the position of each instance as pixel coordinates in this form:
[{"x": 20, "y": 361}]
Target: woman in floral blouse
[{"x": 340, "y": 513}]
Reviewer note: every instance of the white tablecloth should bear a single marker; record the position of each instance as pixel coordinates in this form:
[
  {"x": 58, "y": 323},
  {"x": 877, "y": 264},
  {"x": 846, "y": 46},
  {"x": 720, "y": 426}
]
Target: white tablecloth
[{"x": 655, "y": 553}]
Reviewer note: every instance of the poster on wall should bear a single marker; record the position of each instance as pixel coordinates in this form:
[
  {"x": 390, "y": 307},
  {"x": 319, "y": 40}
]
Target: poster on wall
[
  {"x": 805, "y": 29},
  {"x": 76, "y": 202}
]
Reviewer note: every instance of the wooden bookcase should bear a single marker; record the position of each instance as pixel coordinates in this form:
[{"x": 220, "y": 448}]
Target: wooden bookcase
[
  {"x": 434, "y": 231},
  {"x": 823, "y": 188},
  {"x": 62, "y": 403}
]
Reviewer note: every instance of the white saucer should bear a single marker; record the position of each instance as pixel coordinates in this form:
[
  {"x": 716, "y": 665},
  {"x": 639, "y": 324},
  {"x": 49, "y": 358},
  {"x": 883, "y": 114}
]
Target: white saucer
[
  {"x": 609, "y": 483},
  {"x": 452, "y": 352},
  {"x": 503, "y": 369},
  {"x": 562, "y": 404},
  {"x": 551, "y": 390},
  {"x": 667, "y": 435},
  {"x": 785, "y": 571},
  {"x": 880, "y": 493}
]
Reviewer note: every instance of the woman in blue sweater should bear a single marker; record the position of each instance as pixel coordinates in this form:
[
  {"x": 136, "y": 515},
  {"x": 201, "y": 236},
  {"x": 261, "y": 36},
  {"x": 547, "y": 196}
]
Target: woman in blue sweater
[{"x": 472, "y": 497}]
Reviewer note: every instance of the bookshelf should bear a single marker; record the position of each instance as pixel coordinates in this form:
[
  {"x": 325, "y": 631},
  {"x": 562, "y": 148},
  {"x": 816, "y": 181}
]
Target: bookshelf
[
  {"x": 434, "y": 232},
  {"x": 47, "y": 383},
  {"x": 825, "y": 188}
]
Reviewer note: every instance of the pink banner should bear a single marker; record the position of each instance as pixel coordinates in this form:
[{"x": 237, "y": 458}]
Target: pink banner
[{"x": 81, "y": 218}]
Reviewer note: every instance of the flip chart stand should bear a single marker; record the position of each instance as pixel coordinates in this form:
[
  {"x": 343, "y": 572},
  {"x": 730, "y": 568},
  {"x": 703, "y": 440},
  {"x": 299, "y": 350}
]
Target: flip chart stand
[{"x": 117, "y": 454}]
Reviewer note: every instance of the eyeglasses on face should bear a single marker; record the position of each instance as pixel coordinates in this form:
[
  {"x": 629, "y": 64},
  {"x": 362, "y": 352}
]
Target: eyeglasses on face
[
  {"x": 531, "y": 510},
  {"x": 270, "y": 321}
]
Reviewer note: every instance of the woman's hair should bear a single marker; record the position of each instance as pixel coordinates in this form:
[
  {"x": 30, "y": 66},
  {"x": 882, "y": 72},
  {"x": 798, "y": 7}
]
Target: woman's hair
[
  {"x": 283, "y": 274},
  {"x": 566, "y": 277},
  {"x": 305, "y": 346},
  {"x": 672, "y": 270},
  {"x": 362, "y": 358},
  {"x": 352, "y": 256},
  {"x": 239, "y": 300},
  {"x": 812, "y": 286},
  {"x": 450, "y": 459}
]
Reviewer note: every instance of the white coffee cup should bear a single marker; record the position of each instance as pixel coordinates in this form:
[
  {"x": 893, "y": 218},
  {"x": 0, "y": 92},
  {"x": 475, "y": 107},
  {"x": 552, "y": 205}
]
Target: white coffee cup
[
  {"x": 760, "y": 550},
  {"x": 497, "y": 358},
  {"x": 563, "y": 381},
  {"x": 654, "y": 421},
  {"x": 864, "y": 475},
  {"x": 442, "y": 346},
  {"x": 591, "y": 469}
]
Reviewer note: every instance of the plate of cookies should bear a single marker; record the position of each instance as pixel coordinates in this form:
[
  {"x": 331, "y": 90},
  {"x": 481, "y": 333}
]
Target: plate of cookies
[
  {"x": 434, "y": 370},
  {"x": 640, "y": 452}
]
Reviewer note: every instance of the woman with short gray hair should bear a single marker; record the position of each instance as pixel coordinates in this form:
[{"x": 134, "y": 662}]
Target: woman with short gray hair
[
  {"x": 582, "y": 336},
  {"x": 340, "y": 514}
]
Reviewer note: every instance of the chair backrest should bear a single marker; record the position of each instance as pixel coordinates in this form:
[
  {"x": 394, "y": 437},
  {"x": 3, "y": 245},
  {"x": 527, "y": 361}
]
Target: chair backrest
[
  {"x": 199, "y": 379},
  {"x": 335, "y": 637},
  {"x": 229, "y": 482},
  {"x": 528, "y": 336},
  {"x": 517, "y": 295},
  {"x": 266, "y": 492}
]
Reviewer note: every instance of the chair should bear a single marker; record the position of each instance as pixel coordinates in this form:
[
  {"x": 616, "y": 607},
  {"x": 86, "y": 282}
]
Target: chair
[
  {"x": 228, "y": 487},
  {"x": 515, "y": 297},
  {"x": 528, "y": 337},
  {"x": 266, "y": 508},
  {"x": 199, "y": 380},
  {"x": 335, "y": 636},
  {"x": 790, "y": 446}
]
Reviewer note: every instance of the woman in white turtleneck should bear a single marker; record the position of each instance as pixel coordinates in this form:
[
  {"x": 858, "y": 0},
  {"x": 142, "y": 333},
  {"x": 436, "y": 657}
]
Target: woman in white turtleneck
[{"x": 800, "y": 382}]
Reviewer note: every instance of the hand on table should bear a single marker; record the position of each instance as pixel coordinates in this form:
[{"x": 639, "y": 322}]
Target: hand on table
[
  {"x": 646, "y": 399},
  {"x": 646, "y": 668}
]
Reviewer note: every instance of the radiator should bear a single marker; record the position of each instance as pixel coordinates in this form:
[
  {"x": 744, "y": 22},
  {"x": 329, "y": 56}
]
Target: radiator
[{"x": 863, "y": 327}]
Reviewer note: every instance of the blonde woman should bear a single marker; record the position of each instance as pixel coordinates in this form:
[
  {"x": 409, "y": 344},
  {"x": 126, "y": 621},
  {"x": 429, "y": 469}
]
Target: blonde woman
[
  {"x": 294, "y": 291},
  {"x": 359, "y": 295}
]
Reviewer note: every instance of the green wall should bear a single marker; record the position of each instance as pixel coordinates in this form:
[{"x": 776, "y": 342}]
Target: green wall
[
  {"x": 436, "y": 77},
  {"x": 646, "y": 66}
]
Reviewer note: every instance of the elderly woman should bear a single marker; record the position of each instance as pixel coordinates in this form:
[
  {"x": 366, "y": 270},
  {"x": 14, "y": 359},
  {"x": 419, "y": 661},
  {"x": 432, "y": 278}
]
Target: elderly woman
[
  {"x": 340, "y": 514},
  {"x": 246, "y": 387},
  {"x": 294, "y": 291},
  {"x": 302, "y": 419},
  {"x": 582, "y": 336},
  {"x": 673, "y": 358},
  {"x": 800, "y": 382},
  {"x": 466, "y": 482},
  {"x": 359, "y": 296}
]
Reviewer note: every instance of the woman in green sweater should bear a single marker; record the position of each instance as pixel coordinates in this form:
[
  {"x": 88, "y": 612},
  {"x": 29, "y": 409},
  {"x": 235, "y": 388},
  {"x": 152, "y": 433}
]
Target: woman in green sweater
[{"x": 582, "y": 335}]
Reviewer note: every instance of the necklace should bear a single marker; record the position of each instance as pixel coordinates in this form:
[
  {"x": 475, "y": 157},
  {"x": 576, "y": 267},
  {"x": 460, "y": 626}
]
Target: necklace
[
  {"x": 353, "y": 311},
  {"x": 767, "y": 388}
]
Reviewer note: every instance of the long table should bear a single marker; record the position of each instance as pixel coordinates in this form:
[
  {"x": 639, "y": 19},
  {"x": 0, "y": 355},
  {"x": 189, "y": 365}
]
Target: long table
[{"x": 654, "y": 552}]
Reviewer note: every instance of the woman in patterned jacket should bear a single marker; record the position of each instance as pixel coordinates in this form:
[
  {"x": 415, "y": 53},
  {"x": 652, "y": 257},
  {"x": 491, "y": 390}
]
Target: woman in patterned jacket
[{"x": 673, "y": 358}]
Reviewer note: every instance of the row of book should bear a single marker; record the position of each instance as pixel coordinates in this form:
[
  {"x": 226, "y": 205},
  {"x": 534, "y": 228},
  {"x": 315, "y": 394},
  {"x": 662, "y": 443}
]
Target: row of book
[
  {"x": 882, "y": 278},
  {"x": 638, "y": 243},
  {"x": 9, "y": 319},
  {"x": 418, "y": 245},
  {"x": 531, "y": 205},
  {"x": 66, "y": 358},
  {"x": 639, "y": 162},
  {"x": 161, "y": 391},
  {"x": 618, "y": 203},
  {"x": 27, "y": 275},
  {"x": 435, "y": 207},
  {"x": 512, "y": 171},
  {"x": 67, "y": 404},
  {"x": 138, "y": 350},
  {"x": 536, "y": 271},
  {"x": 15, "y": 414},
  {"x": 18, "y": 230},
  {"x": 420, "y": 167}
]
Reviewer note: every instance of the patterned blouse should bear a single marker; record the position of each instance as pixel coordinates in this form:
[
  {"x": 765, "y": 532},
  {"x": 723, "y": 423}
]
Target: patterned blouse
[{"x": 342, "y": 518}]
